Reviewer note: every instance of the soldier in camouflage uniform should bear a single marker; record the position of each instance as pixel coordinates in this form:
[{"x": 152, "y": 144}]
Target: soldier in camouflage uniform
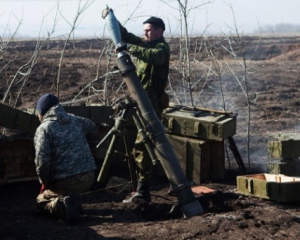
[
  {"x": 64, "y": 162},
  {"x": 152, "y": 63}
]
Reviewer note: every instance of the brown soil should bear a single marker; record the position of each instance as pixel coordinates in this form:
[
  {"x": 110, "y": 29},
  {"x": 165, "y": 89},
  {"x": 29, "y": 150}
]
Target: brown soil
[
  {"x": 227, "y": 215},
  {"x": 274, "y": 94}
]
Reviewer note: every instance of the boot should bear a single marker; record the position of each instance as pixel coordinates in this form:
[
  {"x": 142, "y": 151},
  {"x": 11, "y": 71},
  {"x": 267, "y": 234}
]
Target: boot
[
  {"x": 72, "y": 209},
  {"x": 142, "y": 194}
]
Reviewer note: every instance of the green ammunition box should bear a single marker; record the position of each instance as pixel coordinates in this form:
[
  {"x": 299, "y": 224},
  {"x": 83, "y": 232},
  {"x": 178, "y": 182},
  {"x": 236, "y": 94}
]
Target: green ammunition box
[
  {"x": 100, "y": 115},
  {"x": 201, "y": 161},
  {"x": 286, "y": 146},
  {"x": 17, "y": 159},
  {"x": 285, "y": 149},
  {"x": 204, "y": 125},
  {"x": 17, "y": 119},
  {"x": 277, "y": 187}
]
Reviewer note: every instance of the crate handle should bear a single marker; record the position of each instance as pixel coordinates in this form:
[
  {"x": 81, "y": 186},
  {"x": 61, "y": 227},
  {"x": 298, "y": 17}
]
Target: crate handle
[
  {"x": 249, "y": 185},
  {"x": 170, "y": 124}
]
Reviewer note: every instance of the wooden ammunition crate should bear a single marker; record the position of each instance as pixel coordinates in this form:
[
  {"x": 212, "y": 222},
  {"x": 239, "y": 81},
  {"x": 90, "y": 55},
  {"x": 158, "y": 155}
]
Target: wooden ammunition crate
[
  {"x": 202, "y": 125},
  {"x": 16, "y": 159},
  {"x": 286, "y": 145},
  {"x": 277, "y": 187},
  {"x": 17, "y": 119},
  {"x": 201, "y": 161}
]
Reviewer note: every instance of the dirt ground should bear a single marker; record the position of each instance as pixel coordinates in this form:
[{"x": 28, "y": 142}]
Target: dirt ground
[
  {"x": 274, "y": 91},
  {"x": 227, "y": 215}
]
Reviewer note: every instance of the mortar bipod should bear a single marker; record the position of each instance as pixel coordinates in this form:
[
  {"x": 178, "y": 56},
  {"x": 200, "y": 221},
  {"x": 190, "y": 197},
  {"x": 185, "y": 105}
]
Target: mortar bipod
[{"x": 128, "y": 109}]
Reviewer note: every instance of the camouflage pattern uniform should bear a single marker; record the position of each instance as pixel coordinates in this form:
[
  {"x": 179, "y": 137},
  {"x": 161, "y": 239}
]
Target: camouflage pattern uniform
[
  {"x": 152, "y": 64},
  {"x": 63, "y": 158}
]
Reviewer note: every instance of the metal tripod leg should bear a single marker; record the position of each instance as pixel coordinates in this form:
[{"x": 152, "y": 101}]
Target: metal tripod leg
[
  {"x": 131, "y": 165},
  {"x": 237, "y": 155},
  {"x": 115, "y": 132},
  {"x": 119, "y": 130}
]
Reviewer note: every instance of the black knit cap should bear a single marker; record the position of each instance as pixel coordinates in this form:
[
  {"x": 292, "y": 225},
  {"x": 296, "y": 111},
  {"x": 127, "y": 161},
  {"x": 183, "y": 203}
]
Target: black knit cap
[
  {"x": 158, "y": 22},
  {"x": 46, "y": 102}
]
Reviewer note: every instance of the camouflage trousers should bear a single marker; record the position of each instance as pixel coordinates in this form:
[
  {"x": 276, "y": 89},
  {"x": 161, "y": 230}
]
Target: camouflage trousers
[
  {"x": 142, "y": 158},
  {"x": 51, "y": 199},
  {"x": 143, "y": 162}
]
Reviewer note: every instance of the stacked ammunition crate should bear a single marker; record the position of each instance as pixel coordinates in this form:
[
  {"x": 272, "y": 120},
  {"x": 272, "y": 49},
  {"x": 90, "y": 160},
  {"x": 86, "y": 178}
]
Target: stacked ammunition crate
[
  {"x": 279, "y": 183},
  {"x": 197, "y": 136},
  {"x": 16, "y": 158},
  {"x": 286, "y": 149},
  {"x": 16, "y": 145}
]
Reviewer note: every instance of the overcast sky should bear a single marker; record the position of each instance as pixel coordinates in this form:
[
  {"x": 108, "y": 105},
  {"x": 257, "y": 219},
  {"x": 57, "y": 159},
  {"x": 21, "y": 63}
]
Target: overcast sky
[{"x": 217, "y": 17}]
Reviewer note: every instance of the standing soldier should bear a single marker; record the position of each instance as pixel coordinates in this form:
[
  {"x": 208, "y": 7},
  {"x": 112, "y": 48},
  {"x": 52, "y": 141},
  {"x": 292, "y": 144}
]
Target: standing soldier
[{"x": 153, "y": 55}]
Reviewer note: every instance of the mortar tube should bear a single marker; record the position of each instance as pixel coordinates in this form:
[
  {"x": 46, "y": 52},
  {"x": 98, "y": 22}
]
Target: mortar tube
[{"x": 190, "y": 206}]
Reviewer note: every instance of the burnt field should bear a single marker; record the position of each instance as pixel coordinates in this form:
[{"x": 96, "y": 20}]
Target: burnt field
[{"x": 272, "y": 66}]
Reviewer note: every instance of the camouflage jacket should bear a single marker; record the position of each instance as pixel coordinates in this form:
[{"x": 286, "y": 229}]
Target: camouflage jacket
[
  {"x": 152, "y": 60},
  {"x": 61, "y": 147}
]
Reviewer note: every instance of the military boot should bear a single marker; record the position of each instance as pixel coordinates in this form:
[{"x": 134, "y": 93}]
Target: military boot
[
  {"x": 72, "y": 208},
  {"x": 142, "y": 194}
]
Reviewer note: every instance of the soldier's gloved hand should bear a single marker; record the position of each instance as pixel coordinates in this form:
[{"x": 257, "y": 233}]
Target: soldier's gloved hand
[
  {"x": 105, "y": 12},
  {"x": 122, "y": 47}
]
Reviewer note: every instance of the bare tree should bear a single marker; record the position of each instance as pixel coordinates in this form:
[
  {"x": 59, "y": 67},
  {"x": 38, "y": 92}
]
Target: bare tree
[
  {"x": 4, "y": 42},
  {"x": 218, "y": 71},
  {"x": 185, "y": 8},
  {"x": 23, "y": 73},
  {"x": 239, "y": 55},
  {"x": 73, "y": 25}
]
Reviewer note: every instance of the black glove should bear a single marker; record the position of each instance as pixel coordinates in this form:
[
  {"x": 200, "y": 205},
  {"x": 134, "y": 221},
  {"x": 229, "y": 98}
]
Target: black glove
[{"x": 122, "y": 47}]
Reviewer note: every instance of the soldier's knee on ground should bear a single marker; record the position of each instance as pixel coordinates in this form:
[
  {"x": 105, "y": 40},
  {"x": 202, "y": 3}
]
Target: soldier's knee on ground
[
  {"x": 57, "y": 208},
  {"x": 54, "y": 206}
]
